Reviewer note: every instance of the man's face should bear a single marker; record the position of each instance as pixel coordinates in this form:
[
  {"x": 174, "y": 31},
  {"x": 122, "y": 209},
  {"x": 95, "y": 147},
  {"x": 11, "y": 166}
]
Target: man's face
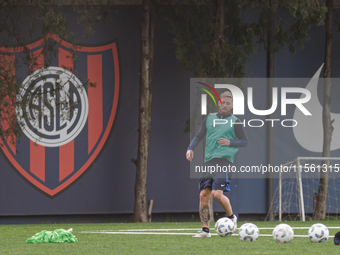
[{"x": 226, "y": 106}]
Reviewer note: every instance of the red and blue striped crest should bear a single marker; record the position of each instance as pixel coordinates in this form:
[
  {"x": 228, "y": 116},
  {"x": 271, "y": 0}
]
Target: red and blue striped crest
[{"x": 66, "y": 122}]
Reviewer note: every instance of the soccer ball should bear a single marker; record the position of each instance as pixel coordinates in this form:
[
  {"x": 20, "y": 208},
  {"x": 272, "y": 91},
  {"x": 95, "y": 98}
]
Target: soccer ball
[
  {"x": 224, "y": 227},
  {"x": 318, "y": 233},
  {"x": 248, "y": 232},
  {"x": 283, "y": 233}
]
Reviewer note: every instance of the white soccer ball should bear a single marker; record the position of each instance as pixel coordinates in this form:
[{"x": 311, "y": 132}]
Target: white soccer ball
[
  {"x": 249, "y": 232},
  {"x": 224, "y": 227},
  {"x": 283, "y": 233},
  {"x": 318, "y": 233}
]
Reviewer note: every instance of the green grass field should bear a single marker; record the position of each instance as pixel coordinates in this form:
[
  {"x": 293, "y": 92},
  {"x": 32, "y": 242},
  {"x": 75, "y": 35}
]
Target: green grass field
[{"x": 13, "y": 240}]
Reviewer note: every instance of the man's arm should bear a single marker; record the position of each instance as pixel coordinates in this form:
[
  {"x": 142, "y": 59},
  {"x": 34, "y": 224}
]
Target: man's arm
[
  {"x": 199, "y": 136},
  {"x": 242, "y": 138},
  {"x": 197, "y": 139},
  {"x": 241, "y": 135}
]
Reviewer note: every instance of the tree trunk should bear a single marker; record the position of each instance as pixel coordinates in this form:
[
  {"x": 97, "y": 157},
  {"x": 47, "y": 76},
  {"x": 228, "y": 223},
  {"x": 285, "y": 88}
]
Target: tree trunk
[
  {"x": 219, "y": 21},
  {"x": 320, "y": 204},
  {"x": 219, "y": 38},
  {"x": 270, "y": 129},
  {"x": 145, "y": 103}
]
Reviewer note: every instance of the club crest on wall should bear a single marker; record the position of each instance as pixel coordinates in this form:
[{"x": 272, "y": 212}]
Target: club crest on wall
[{"x": 65, "y": 120}]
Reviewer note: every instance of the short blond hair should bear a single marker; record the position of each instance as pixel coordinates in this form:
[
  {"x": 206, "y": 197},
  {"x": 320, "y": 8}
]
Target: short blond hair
[{"x": 227, "y": 94}]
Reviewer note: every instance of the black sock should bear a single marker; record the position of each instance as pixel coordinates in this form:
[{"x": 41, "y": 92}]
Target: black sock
[
  {"x": 206, "y": 230},
  {"x": 231, "y": 216}
]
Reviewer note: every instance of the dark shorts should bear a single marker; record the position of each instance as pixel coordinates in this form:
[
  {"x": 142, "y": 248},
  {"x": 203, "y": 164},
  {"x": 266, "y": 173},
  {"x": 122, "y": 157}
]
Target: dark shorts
[{"x": 216, "y": 181}]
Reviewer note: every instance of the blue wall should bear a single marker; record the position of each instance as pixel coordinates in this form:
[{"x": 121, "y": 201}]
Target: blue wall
[{"x": 107, "y": 187}]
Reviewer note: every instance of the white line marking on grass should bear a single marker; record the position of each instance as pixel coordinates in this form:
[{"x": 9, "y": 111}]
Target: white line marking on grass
[
  {"x": 197, "y": 229},
  {"x": 294, "y": 235},
  {"x": 302, "y": 228},
  {"x": 166, "y": 233},
  {"x": 162, "y": 229},
  {"x": 139, "y": 233}
]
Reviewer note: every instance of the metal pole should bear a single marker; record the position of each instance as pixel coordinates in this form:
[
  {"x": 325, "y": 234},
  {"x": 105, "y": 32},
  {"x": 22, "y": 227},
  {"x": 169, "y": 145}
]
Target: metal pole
[
  {"x": 280, "y": 194},
  {"x": 302, "y": 204},
  {"x": 297, "y": 163},
  {"x": 270, "y": 129}
]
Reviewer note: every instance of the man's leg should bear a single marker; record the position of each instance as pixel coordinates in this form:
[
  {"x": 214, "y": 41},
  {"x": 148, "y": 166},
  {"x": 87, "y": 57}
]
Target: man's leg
[
  {"x": 226, "y": 205},
  {"x": 205, "y": 195},
  {"x": 223, "y": 201}
]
